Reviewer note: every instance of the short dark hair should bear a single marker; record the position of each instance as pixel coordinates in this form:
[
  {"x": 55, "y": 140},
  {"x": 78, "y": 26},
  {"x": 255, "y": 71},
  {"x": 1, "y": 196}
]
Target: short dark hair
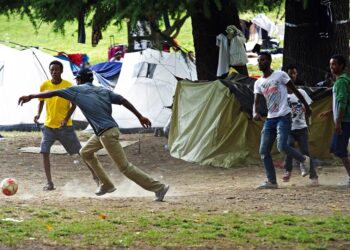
[
  {"x": 85, "y": 75},
  {"x": 341, "y": 60},
  {"x": 291, "y": 66},
  {"x": 55, "y": 62},
  {"x": 267, "y": 54}
]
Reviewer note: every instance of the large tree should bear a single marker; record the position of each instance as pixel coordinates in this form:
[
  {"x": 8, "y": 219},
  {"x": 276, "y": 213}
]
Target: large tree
[
  {"x": 313, "y": 33},
  {"x": 209, "y": 18}
]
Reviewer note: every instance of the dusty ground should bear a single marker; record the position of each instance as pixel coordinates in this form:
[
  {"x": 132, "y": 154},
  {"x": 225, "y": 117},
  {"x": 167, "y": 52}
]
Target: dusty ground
[{"x": 192, "y": 185}]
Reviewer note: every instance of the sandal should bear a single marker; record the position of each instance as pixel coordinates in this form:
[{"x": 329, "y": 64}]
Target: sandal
[{"x": 49, "y": 187}]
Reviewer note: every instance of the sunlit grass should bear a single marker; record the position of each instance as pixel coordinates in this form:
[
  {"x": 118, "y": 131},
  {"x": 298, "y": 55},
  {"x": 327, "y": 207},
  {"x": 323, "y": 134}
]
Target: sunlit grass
[
  {"x": 21, "y": 31},
  {"x": 128, "y": 227}
]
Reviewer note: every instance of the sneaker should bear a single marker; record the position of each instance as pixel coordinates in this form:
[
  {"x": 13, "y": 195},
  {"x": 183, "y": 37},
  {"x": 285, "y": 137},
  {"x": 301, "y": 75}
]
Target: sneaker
[
  {"x": 49, "y": 187},
  {"x": 307, "y": 164},
  {"x": 303, "y": 170},
  {"x": 267, "y": 185},
  {"x": 101, "y": 190},
  {"x": 344, "y": 183},
  {"x": 314, "y": 182},
  {"x": 286, "y": 176},
  {"x": 161, "y": 193}
]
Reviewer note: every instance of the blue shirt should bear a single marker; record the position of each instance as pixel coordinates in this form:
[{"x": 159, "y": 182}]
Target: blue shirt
[{"x": 95, "y": 103}]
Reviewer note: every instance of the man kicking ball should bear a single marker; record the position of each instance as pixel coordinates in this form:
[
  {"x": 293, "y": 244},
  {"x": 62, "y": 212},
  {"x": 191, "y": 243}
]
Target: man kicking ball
[{"x": 96, "y": 104}]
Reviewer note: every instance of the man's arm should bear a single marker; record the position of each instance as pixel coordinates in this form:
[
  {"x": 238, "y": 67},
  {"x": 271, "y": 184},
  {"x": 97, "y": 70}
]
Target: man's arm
[
  {"x": 143, "y": 120},
  {"x": 292, "y": 87},
  {"x": 40, "y": 109},
  {"x": 47, "y": 94},
  {"x": 341, "y": 100},
  {"x": 256, "y": 115},
  {"x": 69, "y": 114},
  {"x": 339, "y": 121}
]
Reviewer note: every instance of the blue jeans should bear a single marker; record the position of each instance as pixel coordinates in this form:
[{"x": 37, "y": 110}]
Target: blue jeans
[
  {"x": 301, "y": 136},
  {"x": 279, "y": 128}
]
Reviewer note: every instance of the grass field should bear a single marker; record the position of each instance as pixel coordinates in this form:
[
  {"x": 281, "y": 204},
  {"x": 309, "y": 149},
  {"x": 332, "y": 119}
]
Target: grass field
[
  {"x": 21, "y": 31},
  {"x": 127, "y": 227}
]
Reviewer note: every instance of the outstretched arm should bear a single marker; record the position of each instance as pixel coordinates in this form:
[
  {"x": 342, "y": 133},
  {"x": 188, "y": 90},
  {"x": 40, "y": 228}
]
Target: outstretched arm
[
  {"x": 27, "y": 98},
  {"x": 143, "y": 120}
]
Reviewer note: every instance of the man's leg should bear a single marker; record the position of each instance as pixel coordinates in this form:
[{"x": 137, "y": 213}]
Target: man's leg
[
  {"x": 110, "y": 141},
  {"x": 47, "y": 168},
  {"x": 48, "y": 138},
  {"x": 346, "y": 164},
  {"x": 268, "y": 137},
  {"x": 283, "y": 130},
  {"x": 288, "y": 163},
  {"x": 71, "y": 143},
  {"x": 339, "y": 147},
  {"x": 302, "y": 137},
  {"x": 88, "y": 155}
]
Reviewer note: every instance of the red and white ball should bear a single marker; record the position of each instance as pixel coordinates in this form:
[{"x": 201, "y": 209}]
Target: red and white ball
[{"x": 9, "y": 186}]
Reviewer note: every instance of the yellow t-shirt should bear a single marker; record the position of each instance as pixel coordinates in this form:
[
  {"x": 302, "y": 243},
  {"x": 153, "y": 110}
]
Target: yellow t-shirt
[{"x": 56, "y": 107}]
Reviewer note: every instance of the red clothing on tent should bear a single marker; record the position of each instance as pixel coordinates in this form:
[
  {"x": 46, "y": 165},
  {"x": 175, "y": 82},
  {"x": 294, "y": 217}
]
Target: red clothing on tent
[{"x": 76, "y": 59}]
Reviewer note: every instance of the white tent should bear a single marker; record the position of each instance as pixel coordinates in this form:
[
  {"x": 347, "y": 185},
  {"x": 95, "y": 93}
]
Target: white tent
[
  {"x": 148, "y": 81},
  {"x": 21, "y": 73}
]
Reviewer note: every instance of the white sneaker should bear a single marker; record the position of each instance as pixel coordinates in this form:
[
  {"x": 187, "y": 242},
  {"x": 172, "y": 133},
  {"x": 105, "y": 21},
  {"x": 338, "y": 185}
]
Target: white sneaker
[
  {"x": 307, "y": 164},
  {"x": 303, "y": 170},
  {"x": 344, "y": 183}
]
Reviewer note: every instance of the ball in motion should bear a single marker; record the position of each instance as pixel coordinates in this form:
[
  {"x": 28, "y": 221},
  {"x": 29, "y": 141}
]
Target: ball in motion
[{"x": 9, "y": 186}]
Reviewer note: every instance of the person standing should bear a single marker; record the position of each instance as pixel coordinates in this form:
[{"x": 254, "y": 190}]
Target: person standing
[
  {"x": 341, "y": 111},
  {"x": 293, "y": 74},
  {"x": 273, "y": 87},
  {"x": 96, "y": 104},
  {"x": 58, "y": 123},
  {"x": 299, "y": 134}
]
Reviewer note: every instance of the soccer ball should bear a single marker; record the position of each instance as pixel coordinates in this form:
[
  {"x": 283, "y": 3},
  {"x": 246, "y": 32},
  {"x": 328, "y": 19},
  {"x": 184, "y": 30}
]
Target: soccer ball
[{"x": 9, "y": 186}]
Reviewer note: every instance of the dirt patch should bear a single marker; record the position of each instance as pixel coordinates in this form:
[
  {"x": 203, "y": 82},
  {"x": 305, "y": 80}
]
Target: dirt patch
[{"x": 192, "y": 185}]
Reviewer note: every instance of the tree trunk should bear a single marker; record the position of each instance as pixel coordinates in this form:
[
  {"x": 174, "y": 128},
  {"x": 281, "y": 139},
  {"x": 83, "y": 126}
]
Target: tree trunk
[
  {"x": 205, "y": 29},
  {"x": 305, "y": 47}
]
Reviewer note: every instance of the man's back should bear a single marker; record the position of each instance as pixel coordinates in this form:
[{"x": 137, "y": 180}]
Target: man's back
[
  {"x": 341, "y": 96},
  {"x": 95, "y": 103}
]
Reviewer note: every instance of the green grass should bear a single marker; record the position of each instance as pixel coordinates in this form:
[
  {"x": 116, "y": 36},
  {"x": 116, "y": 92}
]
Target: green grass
[
  {"x": 127, "y": 227},
  {"x": 21, "y": 31}
]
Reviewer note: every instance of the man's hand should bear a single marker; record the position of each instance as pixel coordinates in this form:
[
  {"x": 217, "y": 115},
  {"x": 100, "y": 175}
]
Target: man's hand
[
  {"x": 36, "y": 119},
  {"x": 24, "y": 99},
  {"x": 257, "y": 117},
  {"x": 145, "y": 122},
  {"x": 64, "y": 123},
  {"x": 338, "y": 129}
]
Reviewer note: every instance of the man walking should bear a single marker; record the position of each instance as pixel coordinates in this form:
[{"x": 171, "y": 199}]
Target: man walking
[{"x": 273, "y": 87}]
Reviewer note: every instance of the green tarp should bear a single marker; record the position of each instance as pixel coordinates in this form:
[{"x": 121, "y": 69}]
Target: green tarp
[{"x": 209, "y": 126}]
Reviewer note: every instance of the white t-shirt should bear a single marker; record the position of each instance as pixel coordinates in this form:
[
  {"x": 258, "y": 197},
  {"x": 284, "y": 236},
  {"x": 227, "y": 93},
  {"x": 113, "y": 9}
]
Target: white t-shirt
[
  {"x": 274, "y": 89},
  {"x": 298, "y": 110}
]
